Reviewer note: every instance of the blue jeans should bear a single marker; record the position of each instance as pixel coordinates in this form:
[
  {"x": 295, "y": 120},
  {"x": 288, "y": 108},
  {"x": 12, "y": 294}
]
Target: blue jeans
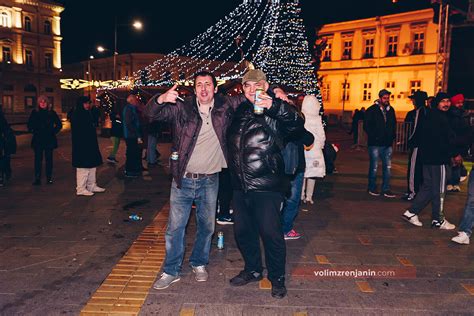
[
  {"x": 468, "y": 217},
  {"x": 385, "y": 154},
  {"x": 203, "y": 192},
  {"x": 292, "y": 203},
  {"x": 151, "y": 149}
]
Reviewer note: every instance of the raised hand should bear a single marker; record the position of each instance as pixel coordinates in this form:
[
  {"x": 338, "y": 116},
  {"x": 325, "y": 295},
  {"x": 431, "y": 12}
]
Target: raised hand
[
  {"x": 265, "y": 101},
  {"x": 169, "y": 96}
]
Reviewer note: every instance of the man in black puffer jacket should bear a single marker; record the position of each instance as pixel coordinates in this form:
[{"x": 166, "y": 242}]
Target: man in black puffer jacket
[{"x": 259, "y": 180}]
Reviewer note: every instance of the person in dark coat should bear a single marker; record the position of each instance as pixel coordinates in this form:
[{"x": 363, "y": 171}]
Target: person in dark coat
[
  {"x": 5, "y": 170},
  {"x": 380, "y": 124},
  {"x": 415, "y": 118},
  {"x": 259, "y": 180},
  {"x": 85, "y": 148},
  {"x": 116, "y": 133},
  {"x": 44, "y": 123},
  {"x": 436, "y": 144}
]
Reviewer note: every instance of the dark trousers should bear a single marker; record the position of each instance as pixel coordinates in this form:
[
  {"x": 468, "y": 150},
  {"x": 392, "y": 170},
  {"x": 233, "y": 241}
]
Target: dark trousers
[
  {"x": 257, "y": 215},
  {"x": 224, "y": 196},
  {"x": 133, "y": 163},
  {"x": 454, "y": 175},
  {"x": 48, "y": 155},
  {"x": 414, "y": 172},
  {"x": 432, "y": 190}
]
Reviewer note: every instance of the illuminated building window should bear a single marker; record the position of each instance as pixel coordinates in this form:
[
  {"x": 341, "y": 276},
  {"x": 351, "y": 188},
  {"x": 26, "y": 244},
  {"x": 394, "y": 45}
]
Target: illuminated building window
[
  {"x": 418, "y": 43},
  {"x": 29, "y": 58},
  {"x": 389, "y": 85},
  {"x": 47, "y": 27},
  {"x": 7, "y": 101},
  {"x": 415, "y": 85},
  {"x": 392, "y": 45},
  {"x": 326, "y": 91},
  {"x": 48, "y": 61},
  {"x": 347, "y": 53},
  {"x": 27, "y": 24},
  {"x": 346, "y": 89},
  {"x": 327, "y": 52},
  {"x": 6, "y": 54},
  {"x": 369, "y": 48},
  {"x": 5, "y": 19},
  {"x": 367, "y": 91}
]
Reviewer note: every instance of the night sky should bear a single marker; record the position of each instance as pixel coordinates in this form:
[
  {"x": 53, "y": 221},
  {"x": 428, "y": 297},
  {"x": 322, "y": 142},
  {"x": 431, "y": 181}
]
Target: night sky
[{"x": 170, "y": 24}]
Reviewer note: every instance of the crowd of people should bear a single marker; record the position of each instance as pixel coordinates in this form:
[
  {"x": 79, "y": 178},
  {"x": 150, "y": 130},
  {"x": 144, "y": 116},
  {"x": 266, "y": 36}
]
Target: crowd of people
[{"x": 251, "y": 159}]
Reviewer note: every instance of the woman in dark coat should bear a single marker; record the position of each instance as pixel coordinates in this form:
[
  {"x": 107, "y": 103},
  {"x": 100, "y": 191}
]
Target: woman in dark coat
[
  {"x": 44, "y": 123},
  {"x": 85, "y": 148}
]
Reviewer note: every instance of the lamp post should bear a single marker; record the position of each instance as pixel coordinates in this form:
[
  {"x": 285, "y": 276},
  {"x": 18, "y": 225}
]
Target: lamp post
[{"x": 136, "y": 25}]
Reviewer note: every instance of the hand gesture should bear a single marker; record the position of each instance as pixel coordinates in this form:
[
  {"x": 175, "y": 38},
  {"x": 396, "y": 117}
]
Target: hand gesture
[
  {"x": 169, "y": 96},
  {"x": 265, "y": 101}
]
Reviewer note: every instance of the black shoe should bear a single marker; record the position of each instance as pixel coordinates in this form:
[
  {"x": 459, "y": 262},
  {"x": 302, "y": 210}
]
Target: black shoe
[
  {"x": 245, "y": 277},
  {"x": 37, "y": 182},
  {"x": 278, "y": 288},
  {"x": 388, "y": 194},
  {"x": 373, "y": 192}
]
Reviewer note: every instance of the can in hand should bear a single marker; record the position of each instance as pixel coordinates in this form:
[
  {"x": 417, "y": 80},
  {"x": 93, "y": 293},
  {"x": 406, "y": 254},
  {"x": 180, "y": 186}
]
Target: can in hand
[
  {"x": 220, "y": 240},
  {"x": 257, "y": 109}
]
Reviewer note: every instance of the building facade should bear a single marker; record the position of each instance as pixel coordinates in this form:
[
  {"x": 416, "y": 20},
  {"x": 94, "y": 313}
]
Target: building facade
[
  {"x": 30, "y": 63},
  {"x": 395, "y": 52}
]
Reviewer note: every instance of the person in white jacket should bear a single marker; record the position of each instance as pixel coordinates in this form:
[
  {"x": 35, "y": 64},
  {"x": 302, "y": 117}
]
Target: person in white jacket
[{"x": 315, "y": 166}]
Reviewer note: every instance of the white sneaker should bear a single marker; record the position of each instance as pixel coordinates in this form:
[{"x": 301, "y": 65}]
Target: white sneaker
[
  {"x": 201, "y": 274},
  {"x": 412, "y": 218},
  {"x": 85, "y": 193},
  {"x": 96, "y": 189},
  {"x": 165, "y": 281},
  {"x": 449, "y": 188},
  {"x": 462, "y": 238},
  {"x": 447, "y": 225},
  {"x": 456, "y": 188}
]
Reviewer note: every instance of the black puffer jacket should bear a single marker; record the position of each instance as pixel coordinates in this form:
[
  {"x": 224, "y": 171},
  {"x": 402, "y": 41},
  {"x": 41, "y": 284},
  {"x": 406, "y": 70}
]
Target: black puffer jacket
[{"x": 255, "y": 159}]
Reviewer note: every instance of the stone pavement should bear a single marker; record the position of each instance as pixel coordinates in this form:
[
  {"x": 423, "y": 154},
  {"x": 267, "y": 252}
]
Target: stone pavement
[{"x": 60, "y": 255}]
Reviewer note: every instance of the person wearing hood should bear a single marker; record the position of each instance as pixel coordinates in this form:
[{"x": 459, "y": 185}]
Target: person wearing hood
[
  {"x": 86, "y": 155},
  {"x": 436, "y": 145},
  {"x": 44, "y": 123},
  {"x": 315, "y": 165},
  {"x": 462, "y": 140},
  {"x": 415, "y": 117}
]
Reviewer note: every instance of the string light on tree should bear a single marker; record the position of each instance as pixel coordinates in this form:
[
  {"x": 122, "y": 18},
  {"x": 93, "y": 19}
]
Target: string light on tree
[{"x": 272, "y": 37}]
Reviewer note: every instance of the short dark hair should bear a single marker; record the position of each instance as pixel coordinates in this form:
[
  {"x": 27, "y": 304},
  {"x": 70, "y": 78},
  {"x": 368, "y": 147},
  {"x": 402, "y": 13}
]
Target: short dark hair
[{"x": 205, "y": 74}]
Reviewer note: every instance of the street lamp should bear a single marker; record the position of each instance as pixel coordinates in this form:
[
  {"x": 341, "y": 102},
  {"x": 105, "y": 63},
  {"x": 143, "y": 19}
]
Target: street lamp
[{"x": 136, "y": 25}]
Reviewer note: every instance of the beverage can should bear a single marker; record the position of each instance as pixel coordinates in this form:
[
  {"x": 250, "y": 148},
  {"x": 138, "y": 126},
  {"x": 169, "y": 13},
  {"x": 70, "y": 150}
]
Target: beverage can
[
  {"x": 257, "y": 109},
  {"x": 174, "y": 155},
  {"x": 135, "y": 217},
  {"x": 220, "y": 240}
]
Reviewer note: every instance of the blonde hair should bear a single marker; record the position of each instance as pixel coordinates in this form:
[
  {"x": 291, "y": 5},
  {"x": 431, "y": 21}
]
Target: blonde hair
[{"x": 45, "y": 99}]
